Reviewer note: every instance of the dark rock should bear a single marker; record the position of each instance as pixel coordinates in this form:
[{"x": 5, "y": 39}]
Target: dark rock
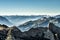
[
  {"x": 5, "y": 26},
  {"x": 3, "y": 34},
  {"x": 49, "y": 35},
  {"x": 15, "y": 32},
  {"x": 34, "y": 34},
  {"x": 55, "y": 30},
  {"x": 39, "y": 33}
]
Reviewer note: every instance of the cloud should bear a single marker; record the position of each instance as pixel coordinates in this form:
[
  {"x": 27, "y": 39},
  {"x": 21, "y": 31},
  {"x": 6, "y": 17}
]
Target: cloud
[{"x": 29, "y": 12}]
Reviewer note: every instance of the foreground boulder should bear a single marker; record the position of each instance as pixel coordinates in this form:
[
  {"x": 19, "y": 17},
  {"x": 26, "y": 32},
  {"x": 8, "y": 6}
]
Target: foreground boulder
[
  {"x": 55, "y": 30},
  {"x": 3, "y": 32},
  {"x": 49, "y": 35}
]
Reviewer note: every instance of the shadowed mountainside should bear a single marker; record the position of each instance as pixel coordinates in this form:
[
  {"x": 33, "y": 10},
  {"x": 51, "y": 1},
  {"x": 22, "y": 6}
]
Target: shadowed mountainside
[
  {"x": 39, "y": 33},
  {"x": 46, "y": 28}
]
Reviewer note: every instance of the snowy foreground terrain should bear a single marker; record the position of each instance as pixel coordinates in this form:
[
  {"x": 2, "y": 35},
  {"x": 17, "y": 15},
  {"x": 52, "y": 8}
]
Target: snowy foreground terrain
[{"x": 41, "y": 27}]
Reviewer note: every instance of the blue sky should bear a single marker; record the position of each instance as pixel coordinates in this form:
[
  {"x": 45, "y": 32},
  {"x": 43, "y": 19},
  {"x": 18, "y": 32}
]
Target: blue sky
[{"x": 29, "y": 7}]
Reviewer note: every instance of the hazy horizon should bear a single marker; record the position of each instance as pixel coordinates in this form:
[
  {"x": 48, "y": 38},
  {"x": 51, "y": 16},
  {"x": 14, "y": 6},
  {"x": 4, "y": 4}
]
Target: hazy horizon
[{"x": 30, "y": 7}]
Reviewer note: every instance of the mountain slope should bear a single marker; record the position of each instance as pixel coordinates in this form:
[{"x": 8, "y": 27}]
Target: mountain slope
[
  {"x": 21, "y": 19},
  {"x": 33, "y": 24},
  {"x": 4, "y": 21}
]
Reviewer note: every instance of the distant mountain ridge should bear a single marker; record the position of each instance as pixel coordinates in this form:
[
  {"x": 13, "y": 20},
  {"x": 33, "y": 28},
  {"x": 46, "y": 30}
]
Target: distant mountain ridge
[
  {"x": 42, "y": 22},
  {"x": 5, "y": 21},
  {"x": 20, "y": 20}
]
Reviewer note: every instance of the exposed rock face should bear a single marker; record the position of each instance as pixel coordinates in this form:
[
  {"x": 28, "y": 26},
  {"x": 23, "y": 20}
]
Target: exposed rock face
[
  {"x": 16, "y": 33},
  {"x": 32, "y": 34},
  {"x": 39, "y": 33},
  {"x": 49, "y": 35},
  {"x": 55, "y": 30},
  {"x": 3, "y": 34}
]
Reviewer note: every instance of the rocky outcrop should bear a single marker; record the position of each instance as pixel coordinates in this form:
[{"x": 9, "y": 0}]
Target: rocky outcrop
[
  {"x": 3, "y": 34},
  {"x": 34, "y": 34},
  {"x": 55, "y": 30},
  {"x": 39, "y": 33},
  {"x": 15, "y": 32},
  {"x": 49, "y": 35}
]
